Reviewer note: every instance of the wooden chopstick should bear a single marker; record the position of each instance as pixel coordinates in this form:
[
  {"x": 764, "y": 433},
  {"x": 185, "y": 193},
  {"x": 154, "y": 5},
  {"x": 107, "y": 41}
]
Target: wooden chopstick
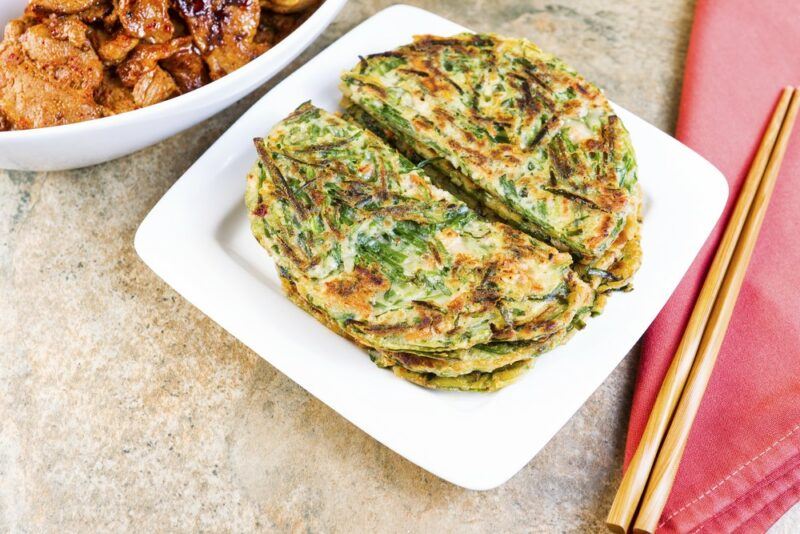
[
  {"x": 633, "y": 483},
  {"x": 669, "y": 457}
]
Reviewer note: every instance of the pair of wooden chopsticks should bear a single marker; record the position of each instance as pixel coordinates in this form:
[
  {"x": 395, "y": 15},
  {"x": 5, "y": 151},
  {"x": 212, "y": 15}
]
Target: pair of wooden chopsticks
[{"x": 653, "y": 467}]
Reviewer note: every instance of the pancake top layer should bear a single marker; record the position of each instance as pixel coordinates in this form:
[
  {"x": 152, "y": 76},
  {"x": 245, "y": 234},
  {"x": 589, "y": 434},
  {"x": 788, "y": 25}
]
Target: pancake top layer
[
  {"x": 397, "y": 263},
  {"x": 514, "y": 121}
]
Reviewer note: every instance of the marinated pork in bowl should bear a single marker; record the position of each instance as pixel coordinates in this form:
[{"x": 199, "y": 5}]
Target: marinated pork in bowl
[{"x": 86, "y": 81}]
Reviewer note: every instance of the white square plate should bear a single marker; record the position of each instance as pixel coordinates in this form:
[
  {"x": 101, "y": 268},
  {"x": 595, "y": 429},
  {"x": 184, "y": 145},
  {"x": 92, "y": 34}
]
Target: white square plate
[{"x": 198, "y": 240}]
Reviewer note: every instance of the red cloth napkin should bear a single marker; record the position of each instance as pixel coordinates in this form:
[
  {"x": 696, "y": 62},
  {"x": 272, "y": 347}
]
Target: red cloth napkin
[{"x": 741, "y": 468}]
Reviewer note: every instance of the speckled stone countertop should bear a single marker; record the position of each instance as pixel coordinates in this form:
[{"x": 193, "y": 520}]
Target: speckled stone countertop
[{"x": 122, "y": 407}]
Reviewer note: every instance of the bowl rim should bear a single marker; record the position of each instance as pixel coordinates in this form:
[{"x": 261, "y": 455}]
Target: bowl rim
[{"x": 326, "y": 11}]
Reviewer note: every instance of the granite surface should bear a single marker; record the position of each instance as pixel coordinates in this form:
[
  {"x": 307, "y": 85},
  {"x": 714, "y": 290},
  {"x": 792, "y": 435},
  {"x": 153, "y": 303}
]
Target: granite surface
[{"x": 124, "y": 408}]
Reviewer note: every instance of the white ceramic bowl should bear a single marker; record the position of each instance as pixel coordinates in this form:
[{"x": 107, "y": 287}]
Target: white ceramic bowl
[{"x": 87, "y": 143}]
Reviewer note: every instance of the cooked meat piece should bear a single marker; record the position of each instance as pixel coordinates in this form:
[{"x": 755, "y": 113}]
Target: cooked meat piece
[
  {"x": 112, "y": 49},
  {"x": 17, "y": 27},
  {"x": 63, "y": 6},
  {"x": 113, "y": 96},
  {"x": 145, "y": 58},
  {"x": 32, "y": 97},
  {"x": 87, "y": 11},
  {"x": 153, "y": 87},
  {"x": 181, "y": 30},
  {"x": 274, "y": 27},
  {"x": 146, "y": 19},
  {"x": 48, "y": 74},
  {"x": 224, "y": 31},
  {"x": 112, "y": 17},
  {"x": 142, "y": 72},
  {"x": 61, "y": 48},
  {"x": 287, "y": 6},
  {"x": 5, "y": 124},
  {"x": 104, "y": 12},
  {"x": 187, "y": 68}
]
